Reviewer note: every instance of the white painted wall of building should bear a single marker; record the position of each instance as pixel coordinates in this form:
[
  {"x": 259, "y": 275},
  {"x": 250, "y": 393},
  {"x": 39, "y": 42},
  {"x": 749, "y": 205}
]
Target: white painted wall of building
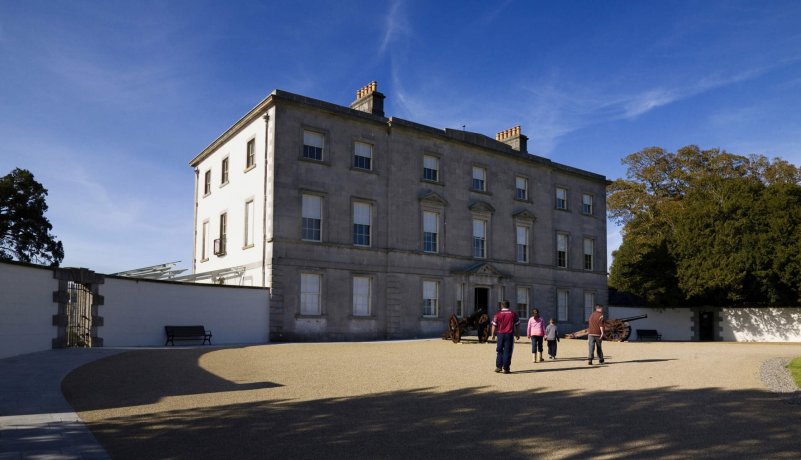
[
  {"x": 136, "y": 311},
  {"x": 760, "y": 324},
  {"x": 672, "y": 323},
  {"x": 26, "y": 309}
]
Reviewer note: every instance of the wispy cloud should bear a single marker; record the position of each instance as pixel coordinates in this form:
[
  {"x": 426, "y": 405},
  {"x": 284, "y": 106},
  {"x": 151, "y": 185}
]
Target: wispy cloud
[{"x": 395, "y": 25}]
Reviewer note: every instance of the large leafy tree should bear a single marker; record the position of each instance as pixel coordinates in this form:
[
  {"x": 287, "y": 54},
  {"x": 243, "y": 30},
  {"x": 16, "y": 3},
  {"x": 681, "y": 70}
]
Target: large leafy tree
[
  {"x": 24, "y": 229},
  {"x": 708, "y": 227}
]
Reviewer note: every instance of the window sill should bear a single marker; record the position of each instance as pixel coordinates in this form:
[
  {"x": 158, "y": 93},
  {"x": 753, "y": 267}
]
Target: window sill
[
  {"x": 223, "y": 184},
  {"x": 307, "y": 316},
  {"x": 362, "y": 317},
  {"x": 206, "y": 194},
  {"x": 483, "y": 192},
  {"x": 311, "y": 241},
  {"x": 312, "y": 160},
  {"x": 524, "y": 200},
  {"x": 204, "y": 260},
  {"x": 250, "y": 168},
  {"x": 248, "y": 246},
  {"x": 430, "y": 318},
  {"x": 562, "y": 209},
  {"x": 434, "y": 182},
  {"x": 363, "y": 170}
]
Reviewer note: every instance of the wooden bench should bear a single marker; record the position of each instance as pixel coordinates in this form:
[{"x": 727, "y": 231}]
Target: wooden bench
[
  {"x": 186, "y": 333},
  {"x": 648, "y": 334}
]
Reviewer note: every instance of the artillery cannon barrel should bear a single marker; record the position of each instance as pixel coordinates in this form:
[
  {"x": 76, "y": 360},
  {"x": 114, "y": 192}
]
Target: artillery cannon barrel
[{"x": 630, "y": 318}]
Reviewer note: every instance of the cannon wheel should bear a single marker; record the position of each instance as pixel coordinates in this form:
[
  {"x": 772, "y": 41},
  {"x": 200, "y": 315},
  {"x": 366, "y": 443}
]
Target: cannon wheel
[
  {"x": 618, "y": 332},
  {"x": 483, "y": 328},
  {"x": 454, "y": 329}
]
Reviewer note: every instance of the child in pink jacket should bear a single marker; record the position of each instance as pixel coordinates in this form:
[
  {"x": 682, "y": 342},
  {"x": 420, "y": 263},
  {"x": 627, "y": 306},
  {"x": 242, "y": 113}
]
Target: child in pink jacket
[{"x": 536, "y": 331}]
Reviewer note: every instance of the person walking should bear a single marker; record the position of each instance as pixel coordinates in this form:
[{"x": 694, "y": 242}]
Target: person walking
[
  {"x": 535, "y": 331},
  {"x": 505, "y": 322},
  {"x": 596, "y": 334},
  {"x": 552, "y": 337}
]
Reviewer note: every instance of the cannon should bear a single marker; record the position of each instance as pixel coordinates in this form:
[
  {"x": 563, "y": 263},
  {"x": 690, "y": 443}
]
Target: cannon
[
  {"x": 616, "y": 330},
  {"x": 478, "y": 321}
]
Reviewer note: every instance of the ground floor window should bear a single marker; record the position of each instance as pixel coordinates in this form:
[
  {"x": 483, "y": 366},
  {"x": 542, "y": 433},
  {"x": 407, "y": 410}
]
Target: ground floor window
[
  {"x": 522, "y": 302},
  {"x": 562, "y": 297},
  {"x": 430, "y": 298},
  {"x": 361, "y": 296},
  {"x": 310, "y": 289}
]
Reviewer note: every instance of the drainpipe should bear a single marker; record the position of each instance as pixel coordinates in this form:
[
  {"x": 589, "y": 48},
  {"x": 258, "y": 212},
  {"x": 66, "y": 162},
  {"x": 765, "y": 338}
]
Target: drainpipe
[
  {"x": 264, "y": 203},
  {"x": 194, "y": 245}
]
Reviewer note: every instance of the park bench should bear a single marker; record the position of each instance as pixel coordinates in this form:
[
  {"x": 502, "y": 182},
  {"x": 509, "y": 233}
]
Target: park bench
[
  {"x": 186, "y": 333},
  {"x": 648, "y": 334}
]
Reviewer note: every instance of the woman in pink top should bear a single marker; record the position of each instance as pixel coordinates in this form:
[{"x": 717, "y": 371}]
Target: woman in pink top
[{"x": 535, "y": 331}]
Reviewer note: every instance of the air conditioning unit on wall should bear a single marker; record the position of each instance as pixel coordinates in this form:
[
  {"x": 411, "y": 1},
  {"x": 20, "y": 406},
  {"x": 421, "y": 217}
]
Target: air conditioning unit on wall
[{"x": 219, "y": 247}]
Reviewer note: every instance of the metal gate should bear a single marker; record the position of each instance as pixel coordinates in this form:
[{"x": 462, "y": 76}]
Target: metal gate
[{"x": 79, "y": 315}]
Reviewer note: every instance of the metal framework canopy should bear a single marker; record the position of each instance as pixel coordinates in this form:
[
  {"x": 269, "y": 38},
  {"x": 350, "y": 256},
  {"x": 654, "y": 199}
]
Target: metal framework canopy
[{"x": 165, "y": 271}]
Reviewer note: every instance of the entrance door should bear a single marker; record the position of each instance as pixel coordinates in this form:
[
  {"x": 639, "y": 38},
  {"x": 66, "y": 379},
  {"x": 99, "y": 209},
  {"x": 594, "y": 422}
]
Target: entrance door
[
  {"x": 706, "y": 326},
  {"x": 482, "y": 299}
]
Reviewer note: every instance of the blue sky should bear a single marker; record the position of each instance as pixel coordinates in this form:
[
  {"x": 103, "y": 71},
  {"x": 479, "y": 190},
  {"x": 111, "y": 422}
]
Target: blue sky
[{"x": 106, "y": 102}]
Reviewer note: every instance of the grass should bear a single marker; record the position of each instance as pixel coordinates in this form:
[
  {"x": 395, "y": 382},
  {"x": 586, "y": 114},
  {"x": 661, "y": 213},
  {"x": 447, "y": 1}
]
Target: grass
[{"x": 795, "y": 370}]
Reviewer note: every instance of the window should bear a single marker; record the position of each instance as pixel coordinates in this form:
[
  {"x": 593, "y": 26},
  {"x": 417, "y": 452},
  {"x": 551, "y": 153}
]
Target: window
[
  {"x": 204, "y": 250},
  {"x": 310, "y": 294},
  {"x": 459, "y": 300},
  {"x": 430, "y": 231},
  {"x": 430, "y": 298},
  {"x": 431, "y": 168},
  {"x": 521, "y": 188},
  {"x": 207, "y": 183},
  {"x": 479, "y": 238},
  {"x": 312, "y": 218},
  {"x": 522, "y": 302},
  {"x": 361, "y": 296},
  {"x": 223, "y": 232},
  {"x": 224, "y": 173},
  {"x": 363, "y": 156},
  {"x": 313, "y": 145},
  {"x": 562, "y": 298},
  {"x": 561, "y": 250},
  {"x": 250, "y": 154},
  {"x": 361, "y": 224},
  {"x": 589, "y": 250},
  {"x": 589, "y": 304},
  {"x": 479, "y": 179},
  {"x": 522, "y": 244},
  {"x": 586, "y": 204},
  {"x": 250, "y": 226},
  {"x": 561, "y": 198}
]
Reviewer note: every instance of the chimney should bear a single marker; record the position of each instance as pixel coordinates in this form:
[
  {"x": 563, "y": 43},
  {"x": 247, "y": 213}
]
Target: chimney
[
  {"x": 513, "y": 138},
  {"x": 369, "y": 100}
]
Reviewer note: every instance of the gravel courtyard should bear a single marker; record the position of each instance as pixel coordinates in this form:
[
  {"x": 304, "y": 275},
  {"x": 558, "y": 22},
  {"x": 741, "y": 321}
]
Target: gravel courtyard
[{"x": 436, "y": 399}]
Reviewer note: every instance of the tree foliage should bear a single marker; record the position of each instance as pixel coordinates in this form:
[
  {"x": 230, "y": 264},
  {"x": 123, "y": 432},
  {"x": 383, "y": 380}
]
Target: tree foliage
[
  {"x": 708, "y": 227},
  {"x": 24, "y": 229}
]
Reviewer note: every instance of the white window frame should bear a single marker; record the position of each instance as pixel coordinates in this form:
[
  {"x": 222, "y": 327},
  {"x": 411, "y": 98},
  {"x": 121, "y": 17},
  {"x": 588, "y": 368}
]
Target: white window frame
[
  {"x": 525, "y": 243},
  {"x": 365, "y": 151},
  {"x": 250, "y": 154},
  {"x": 430, "y": 160},
  {"x": 362, "y": 305},
  {"x": 589, "y": 254},
  {"x": 589, "y": 304},
  {"x": 427, "y": 229},
  {"x": 460, "y": 299},
  {"x": 520, "y": 180},
  {"x": 587, "y": 204},
  {"x": 523, "y": 293},
  {"x": 207, "y": 183},
  {"x": 483, "y": 224},
  {"x": 311, "y": 287},
  {"x": 362, "y": 215},
  {"x": 562, "y": 248},
  {"x": 561, "y": 198},
  {"x": 562, "y": 304},
  {"x": 250, "y": 223},
  {"x": 310, "y": 139},
  {"x": 206, "y": 241},
  {"x": 225, "y": 169},
  {"x": 479, "y": 182},
  {"x": 430, "y": 304},
  {"x": 307, "y": 212}
]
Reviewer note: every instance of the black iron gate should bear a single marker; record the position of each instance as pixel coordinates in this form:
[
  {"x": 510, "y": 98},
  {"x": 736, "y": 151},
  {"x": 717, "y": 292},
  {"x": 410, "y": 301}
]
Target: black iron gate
[
  {"x": 79, "y": 315},
  {"x": 78, "y": 301}
]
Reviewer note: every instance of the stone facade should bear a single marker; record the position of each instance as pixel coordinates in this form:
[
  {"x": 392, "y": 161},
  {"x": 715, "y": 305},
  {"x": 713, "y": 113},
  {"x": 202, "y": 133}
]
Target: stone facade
[{"x": 352, "y": 218}]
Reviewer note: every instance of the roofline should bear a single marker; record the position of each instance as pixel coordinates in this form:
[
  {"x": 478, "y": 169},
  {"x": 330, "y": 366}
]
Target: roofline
[{"x": 465, "y": 137}]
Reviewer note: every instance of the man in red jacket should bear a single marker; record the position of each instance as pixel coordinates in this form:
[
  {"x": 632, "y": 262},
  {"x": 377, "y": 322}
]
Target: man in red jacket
[
  {"x": 596, "y": 334},
  {"x": 505, "y": 322}
]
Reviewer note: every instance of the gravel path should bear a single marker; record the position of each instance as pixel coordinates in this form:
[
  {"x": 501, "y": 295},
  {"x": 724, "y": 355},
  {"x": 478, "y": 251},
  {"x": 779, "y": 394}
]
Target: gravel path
[{"x": 435, "y": 399}]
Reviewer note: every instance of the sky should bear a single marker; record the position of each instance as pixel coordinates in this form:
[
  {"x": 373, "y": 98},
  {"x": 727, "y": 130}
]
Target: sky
[{"x": 106, "y": 102}]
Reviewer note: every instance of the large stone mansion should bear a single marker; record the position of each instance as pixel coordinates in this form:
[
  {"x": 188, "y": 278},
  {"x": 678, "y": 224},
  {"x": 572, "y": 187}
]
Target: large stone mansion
[{"x": 369, "y": 227}]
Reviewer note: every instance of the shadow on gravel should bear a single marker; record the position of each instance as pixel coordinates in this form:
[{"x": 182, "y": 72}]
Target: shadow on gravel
[
  {"x": 149, "y": 376},
  {"x": 463, "y": 423}
]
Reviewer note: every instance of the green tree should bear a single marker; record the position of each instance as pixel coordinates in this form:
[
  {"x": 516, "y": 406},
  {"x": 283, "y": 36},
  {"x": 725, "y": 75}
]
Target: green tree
[
  {"x": 24, "y": 229},
  {"x": 708, "y": 227}
]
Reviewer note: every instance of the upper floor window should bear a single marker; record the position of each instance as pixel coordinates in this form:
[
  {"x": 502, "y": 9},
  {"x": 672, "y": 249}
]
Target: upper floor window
[
  {"x": 561, "y": 198},
  {"x": 562, "y": 302},
  {"x": 589, "y": 251},
  {"x": 479, "y": 238},
  {"x": 312, "y": 217},
  {"x": 250, "y": 223},
  {"x": 522, "y": 302},
  {"x": 363, "y": 156},
  {"x": 522, "y": 243},
  {"x": 431, "y": 168},
  {"x": 361, "y": 223},
  {"x": 250, "y": 155},
  {"x": 310, "y": 290},
  {"x": 430, "y": 231},
  {"x": 220, "y": 248},
  {"x": 204, "y": 250},
  {"x": 589, "y": 304},
  {"x": 361, "y": 296},
  {"x": 586, "y": 204},
  {"x": 224, "y": 171},
  {"x": 207, "y": 182},
  {"x": 430, "y": 298},
  {"x": 521, "y": 188},
  {"x": 561, "y": 250},
  {"x": 479, "y": 179},
  {"x": 313, "y": 143}
]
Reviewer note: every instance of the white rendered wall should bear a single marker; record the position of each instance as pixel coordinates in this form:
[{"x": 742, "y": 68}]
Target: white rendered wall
[
  {"x": 136, "y": 311},
  {"x": 760, "y": 324},
  {"x": 26, "y": 309},
  {"x": 672, "y": 323}
]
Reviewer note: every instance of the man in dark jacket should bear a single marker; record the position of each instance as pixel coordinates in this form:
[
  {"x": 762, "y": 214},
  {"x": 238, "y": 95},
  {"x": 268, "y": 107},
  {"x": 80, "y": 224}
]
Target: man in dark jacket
[
  {"x": 505, "y": 322},
  {"x": 596, "y": 334}
]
